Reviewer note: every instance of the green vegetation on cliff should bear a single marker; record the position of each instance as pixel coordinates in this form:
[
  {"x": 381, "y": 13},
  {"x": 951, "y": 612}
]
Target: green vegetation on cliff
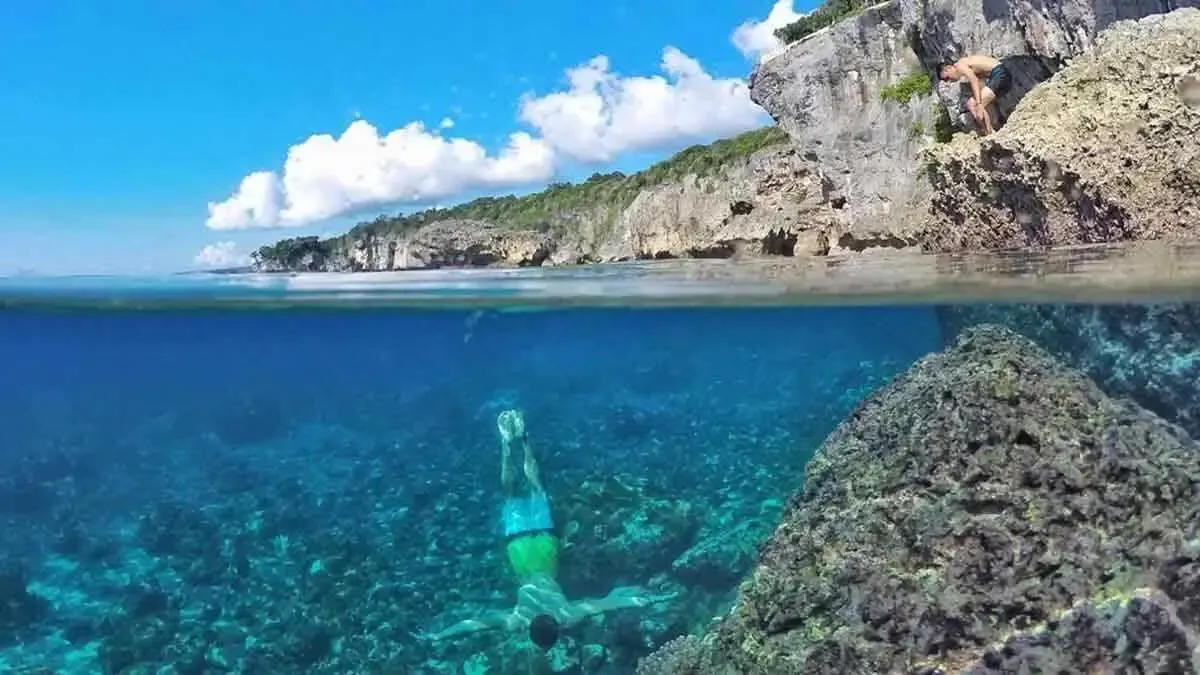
[
  {"x": 914, "y": 84},
  {"x": 824, "y": 16},
  {"x": 541, "y": 209}
]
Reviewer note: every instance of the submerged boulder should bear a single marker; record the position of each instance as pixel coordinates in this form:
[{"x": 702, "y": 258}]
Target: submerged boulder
[
  {"x": 1106, "y": 150},
  {"x": 990, "y": 511},
  {"x": 1149, "y": 353}
]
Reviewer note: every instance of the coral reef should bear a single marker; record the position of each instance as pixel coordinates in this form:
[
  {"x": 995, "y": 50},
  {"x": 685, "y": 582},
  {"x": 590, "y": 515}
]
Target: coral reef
[
  {"x": 977, "y": 500},
  {"x": 1149, "y": 353}
]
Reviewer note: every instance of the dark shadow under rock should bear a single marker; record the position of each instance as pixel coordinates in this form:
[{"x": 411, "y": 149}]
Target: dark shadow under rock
[{"x": 984, "y": 494}]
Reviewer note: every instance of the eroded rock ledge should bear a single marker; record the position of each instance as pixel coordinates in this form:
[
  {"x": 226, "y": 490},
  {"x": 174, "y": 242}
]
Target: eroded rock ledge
[{"x": 767, "y": 202}]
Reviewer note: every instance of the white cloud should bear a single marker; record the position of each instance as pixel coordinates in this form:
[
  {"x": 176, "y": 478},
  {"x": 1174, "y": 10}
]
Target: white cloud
[
  {"x": 220, "y": 254},
  {"x": 446, "y": 123},
  {"x": 600, "y": 116},
  {"x": 604, "y": 115},
  {"x": 325, "y": 177},
  {"x": 755, "y": 39}
]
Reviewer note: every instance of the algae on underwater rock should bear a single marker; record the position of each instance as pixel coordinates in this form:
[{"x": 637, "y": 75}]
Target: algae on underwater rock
[{"x": 979, "y": 499}]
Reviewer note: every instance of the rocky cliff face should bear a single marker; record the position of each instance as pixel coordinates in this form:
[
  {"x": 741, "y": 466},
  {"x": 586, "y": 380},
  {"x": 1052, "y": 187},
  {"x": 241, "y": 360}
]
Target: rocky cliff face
[
  {"x": 770, "y": 202},
  {"x": 825, "y": 89},
  {"x": 773, "y": 204},
  {"x": 1106, "y": 150}
]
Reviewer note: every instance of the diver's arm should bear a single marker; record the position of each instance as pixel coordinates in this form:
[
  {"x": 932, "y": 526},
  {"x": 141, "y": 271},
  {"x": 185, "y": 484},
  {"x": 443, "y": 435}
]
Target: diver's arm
[
  {"x": 619, "y": 598},
  {"x": 491, "y": 621}
]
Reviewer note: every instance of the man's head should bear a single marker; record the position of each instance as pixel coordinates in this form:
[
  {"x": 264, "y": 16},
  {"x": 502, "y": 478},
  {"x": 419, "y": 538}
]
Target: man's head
[
  {"x": 543, "y": 631},
  {"x": 947, "y": 71}
]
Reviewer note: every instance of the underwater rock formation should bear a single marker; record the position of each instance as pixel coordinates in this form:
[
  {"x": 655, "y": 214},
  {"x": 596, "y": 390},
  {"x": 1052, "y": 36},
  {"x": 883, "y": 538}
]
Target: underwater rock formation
[
  {"x": 1149, "y": 353},
  {"x": 619, "y": 531},
  {"x": 1106, "y": 150},
  {"x": 990, "y": 509}
]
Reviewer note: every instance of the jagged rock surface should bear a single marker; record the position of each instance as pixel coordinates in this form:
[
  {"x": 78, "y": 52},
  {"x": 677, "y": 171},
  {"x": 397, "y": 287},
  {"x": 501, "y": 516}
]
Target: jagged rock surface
[
  {"x": 769, "y": 203},
  {"x": 825, "y": 91},
  {"x": 989, "y": 494},
  {"x": 773, "y": 204},
  {"x": 1149, "y": 353},
  {"x": 1106, "y": 150}
]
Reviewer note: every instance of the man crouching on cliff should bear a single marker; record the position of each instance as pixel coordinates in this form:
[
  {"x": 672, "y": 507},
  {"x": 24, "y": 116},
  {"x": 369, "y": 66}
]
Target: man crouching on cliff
[{"x": 996, "y": 81}]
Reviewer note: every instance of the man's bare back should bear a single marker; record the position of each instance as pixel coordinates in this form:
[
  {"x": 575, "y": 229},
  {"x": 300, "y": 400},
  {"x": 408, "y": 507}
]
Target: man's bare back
[{"x": 980, "y": 64}]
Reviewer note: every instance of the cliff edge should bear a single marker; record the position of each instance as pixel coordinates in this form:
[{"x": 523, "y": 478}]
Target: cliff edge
[
  {"x": 1107, "y": 150},
  {"x": 846, "y": 90}
]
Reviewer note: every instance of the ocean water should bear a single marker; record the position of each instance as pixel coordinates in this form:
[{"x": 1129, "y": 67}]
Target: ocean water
[{"x": 303, "y": 474}]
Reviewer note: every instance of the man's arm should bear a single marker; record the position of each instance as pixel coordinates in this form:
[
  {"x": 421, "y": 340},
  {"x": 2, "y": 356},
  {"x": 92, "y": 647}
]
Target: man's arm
[
  {"x": 972, "y": 79},
  {"x": 491, "y": 621},
  {"x": 620, "y": 598}
]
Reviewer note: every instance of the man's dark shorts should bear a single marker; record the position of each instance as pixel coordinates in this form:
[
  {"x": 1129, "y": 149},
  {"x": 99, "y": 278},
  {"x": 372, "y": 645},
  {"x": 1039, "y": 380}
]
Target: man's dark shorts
[{"x": 999, "y": 80}]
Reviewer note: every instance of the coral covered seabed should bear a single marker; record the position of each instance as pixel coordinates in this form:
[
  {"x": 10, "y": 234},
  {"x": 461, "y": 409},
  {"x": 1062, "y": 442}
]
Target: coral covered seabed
[
  {"x": 316, "y": 492},
  {"x": 304, "y": 492}
]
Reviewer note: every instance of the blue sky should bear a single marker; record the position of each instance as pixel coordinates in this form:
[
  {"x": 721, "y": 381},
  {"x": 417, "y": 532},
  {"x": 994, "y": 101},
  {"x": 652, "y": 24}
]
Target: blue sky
[{"x": 122, "y": 121}]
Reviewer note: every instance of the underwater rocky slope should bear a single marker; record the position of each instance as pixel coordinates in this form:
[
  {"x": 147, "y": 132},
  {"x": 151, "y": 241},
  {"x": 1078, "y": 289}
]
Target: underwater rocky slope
[
  {"x": 989, "y": 511},
  {"x": 1149, "y": 353}
]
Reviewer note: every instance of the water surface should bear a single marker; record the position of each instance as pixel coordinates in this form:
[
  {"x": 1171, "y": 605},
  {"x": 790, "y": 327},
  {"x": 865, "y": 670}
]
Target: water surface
[{"x": 296, "y": 473}]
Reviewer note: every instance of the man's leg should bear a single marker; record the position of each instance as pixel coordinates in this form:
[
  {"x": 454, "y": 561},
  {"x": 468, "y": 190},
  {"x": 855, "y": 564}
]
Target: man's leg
[
  {"x": 532, "y": 473},
  {"x": 989, "y": 97},
  {"x": 508, "y": 428}
]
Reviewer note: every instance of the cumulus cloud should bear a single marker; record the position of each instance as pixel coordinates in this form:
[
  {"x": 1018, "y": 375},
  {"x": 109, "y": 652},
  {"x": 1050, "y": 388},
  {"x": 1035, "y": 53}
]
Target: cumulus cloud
[
  {"x": 756, "y": 40},
  {"x": 600, "y": 116},
  {"x": 603, "y": 115},
  {"x": 220, "y": 254},
  {"x": 324, "y": 177}
]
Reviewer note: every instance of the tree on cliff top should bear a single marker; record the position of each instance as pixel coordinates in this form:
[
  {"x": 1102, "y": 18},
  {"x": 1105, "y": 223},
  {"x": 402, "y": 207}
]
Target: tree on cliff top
[{"x": 824, "y": 16}]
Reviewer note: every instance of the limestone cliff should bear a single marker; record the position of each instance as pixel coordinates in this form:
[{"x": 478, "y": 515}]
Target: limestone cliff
[
  {"x": 828, "y": 89},
  {"x": 826, "y": 92},
  {"x": 754, "y": 194},
  {"x": 1106, "y": 150}
]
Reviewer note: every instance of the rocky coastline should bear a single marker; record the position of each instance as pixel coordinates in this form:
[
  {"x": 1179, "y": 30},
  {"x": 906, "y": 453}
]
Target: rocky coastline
[{"x": 1100, "y": 144}]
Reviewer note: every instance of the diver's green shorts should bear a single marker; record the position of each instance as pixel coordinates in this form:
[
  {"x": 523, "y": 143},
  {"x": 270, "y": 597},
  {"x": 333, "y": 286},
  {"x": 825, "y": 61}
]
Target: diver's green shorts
[{"x": 533, "y": 554}]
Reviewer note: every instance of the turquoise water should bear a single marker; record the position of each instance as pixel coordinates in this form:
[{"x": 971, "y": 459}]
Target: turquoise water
[{"x": 252, "y": 475}]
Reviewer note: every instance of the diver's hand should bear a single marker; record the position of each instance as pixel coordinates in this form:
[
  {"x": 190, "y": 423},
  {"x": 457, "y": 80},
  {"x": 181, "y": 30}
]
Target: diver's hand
[
  {"x": 423, "y": 636},
  {"x": 657, "y": 598},
  {"x": 639, "y": 597}
]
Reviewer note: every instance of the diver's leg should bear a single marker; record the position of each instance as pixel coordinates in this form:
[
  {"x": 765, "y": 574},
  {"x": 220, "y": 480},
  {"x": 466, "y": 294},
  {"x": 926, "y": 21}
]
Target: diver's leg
[
  {"x": 532, "y": 472},
  {"x": 508, "y": 476}
]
